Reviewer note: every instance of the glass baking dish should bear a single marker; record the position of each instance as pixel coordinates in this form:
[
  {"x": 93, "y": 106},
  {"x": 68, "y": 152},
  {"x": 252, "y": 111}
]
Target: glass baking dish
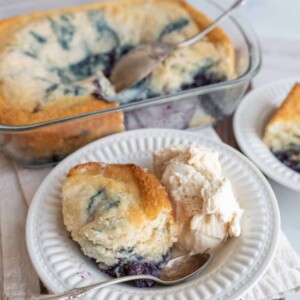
[{"x": 46, "y": 143}]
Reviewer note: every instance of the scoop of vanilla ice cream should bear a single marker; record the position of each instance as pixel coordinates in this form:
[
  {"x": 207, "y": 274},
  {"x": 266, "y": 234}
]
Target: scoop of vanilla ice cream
[
  {"x": 204, "y": 203},
  {"x": 200, "y": 158}
]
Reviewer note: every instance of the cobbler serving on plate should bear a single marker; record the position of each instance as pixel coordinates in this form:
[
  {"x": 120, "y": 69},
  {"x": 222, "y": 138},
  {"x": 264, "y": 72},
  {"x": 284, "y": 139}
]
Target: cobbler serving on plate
[
  {"x": 131, "y": 224},
  {"x": 121, "y": 216},
  {"x": 282, "y": 133}
]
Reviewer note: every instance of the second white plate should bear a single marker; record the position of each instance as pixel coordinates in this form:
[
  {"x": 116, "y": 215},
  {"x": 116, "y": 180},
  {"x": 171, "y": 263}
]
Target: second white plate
[
  {"x": 249, "y": 123},
  {"x": 233, "y": 270}
]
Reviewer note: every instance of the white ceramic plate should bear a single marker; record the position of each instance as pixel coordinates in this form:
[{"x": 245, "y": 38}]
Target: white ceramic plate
[
  {"x": 233, "y": 270},
  {"x": 249, "y": 122}
]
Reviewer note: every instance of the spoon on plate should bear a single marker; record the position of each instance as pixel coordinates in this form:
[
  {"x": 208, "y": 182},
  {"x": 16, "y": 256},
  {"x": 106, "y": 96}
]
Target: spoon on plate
[
  {"x": 142, "y": 60},
  {"x": 177, "y": 270}
]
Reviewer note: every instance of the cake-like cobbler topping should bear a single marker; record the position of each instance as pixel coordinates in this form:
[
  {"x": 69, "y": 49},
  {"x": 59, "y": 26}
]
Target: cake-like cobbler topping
[
  {"x": 62, "y": 55},
  {"x": 282, "y": 132},
  {"x": 120, "y": 215}
]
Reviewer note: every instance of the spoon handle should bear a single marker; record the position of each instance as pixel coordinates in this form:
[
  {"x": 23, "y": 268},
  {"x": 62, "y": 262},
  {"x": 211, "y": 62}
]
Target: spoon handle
[
  {"x": 79, "y": 292},
  {"x": 210, "y": 27}
]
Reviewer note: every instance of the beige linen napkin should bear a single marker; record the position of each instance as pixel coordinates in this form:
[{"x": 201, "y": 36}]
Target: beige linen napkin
[
  {"x": 282, "y": 276},
  {"x": 17, "y": 277}
]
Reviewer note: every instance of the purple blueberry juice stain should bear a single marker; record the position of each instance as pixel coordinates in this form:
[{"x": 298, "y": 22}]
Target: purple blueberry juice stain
[
  {"x": 175, "y": 115},
  {"x": 84, "y": 274}
]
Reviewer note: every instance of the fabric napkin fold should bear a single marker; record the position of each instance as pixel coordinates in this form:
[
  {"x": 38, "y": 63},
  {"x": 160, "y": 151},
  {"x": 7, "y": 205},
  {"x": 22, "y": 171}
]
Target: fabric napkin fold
[
  {"x": 283, "y": 275},
  {"x": 17, "y": 277}
]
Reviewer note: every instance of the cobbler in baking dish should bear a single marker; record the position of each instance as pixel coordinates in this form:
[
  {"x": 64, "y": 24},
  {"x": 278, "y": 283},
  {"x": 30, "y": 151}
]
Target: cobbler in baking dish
[
  {"x": 57, "y": 64},
  {"x": 66, "y": 56}
]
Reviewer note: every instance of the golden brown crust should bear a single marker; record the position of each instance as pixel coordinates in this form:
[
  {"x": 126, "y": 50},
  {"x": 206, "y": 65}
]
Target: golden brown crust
[
  {"x": 153, "y": 197},
  {"x": 217, "y": 36},
  {"x": 289, "y": 110},
  {"x": 10, "y": 25},
  {"x": 52, "y": 143},
  {"x": 90, "y": 168},
  {"x": 53, "y": 110}
]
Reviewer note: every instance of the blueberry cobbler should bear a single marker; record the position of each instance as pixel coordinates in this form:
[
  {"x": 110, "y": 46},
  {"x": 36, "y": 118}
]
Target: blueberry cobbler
[
  {"x": 282, "y": 133},
  {"x": 62, "y": 54},
  {"x": 121, "y": 216},
  {"x": 57, "y": 63}
]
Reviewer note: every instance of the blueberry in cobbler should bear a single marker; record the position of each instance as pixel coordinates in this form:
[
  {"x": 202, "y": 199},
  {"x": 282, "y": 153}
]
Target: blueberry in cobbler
[
  {"x": 291, "y": 158},
  {"x": 137, "y": 267}
]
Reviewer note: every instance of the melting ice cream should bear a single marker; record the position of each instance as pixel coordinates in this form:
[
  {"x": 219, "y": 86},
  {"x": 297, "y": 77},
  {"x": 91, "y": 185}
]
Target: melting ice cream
[{"x": 204, "y": 203}]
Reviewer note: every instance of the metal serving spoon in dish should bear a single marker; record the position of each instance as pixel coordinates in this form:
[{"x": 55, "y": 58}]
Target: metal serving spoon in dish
[
  {"x": 141, "y": 61},
  {"x": 176, "y": 271}
]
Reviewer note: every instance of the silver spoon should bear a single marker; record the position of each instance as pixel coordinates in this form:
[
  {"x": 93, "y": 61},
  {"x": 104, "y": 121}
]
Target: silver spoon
[
  {"x": 141, "y": 61},
  {"x": 176, "y": 270}
]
